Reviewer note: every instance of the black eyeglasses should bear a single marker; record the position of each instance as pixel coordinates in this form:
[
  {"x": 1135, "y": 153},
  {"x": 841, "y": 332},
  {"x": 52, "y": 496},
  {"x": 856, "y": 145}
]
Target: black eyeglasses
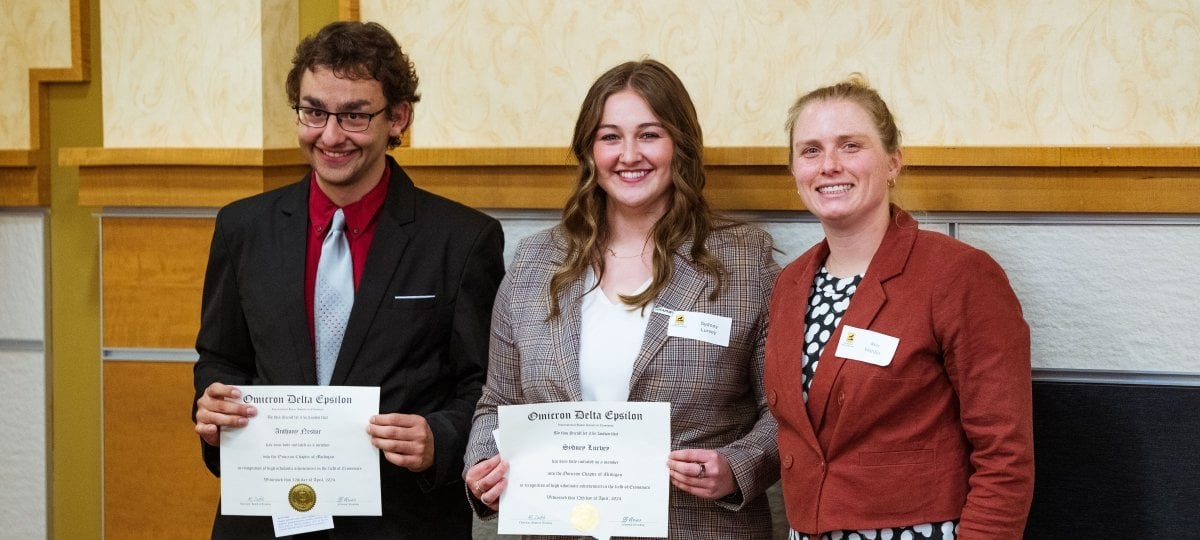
[{"x": 349, "y": 121}]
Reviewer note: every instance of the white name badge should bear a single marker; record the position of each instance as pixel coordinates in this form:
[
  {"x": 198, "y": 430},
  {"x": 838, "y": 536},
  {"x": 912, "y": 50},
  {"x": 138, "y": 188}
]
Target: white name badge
[
  {"x": 867, "y": 346},
  {"x": 702, "y": 326}
]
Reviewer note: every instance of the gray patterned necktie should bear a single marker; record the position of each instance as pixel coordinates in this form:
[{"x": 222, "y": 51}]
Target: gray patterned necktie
[{"x": 334, "y": 296}]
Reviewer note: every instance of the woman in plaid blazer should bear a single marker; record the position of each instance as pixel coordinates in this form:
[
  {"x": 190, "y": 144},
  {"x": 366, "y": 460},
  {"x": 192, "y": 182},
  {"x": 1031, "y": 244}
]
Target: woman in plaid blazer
[{"x": 583, "y": 311}]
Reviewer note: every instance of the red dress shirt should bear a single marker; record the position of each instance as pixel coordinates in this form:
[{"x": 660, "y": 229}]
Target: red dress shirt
[{"x": 361, "y": 217}]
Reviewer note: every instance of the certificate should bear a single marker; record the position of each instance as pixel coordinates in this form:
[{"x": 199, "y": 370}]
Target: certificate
[
  {"x": 306, "y": 453},
  {"x": 585, "y": 467}
]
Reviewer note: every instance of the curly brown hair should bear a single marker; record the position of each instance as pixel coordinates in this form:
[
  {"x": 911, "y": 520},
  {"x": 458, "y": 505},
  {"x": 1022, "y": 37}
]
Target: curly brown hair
[{"x": 357, "y": 50}]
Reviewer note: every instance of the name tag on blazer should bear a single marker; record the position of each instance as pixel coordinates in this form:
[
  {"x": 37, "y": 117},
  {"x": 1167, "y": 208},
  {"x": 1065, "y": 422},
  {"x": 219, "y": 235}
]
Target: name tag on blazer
[
  {"x": 866, "y": 346},
  {"x": 705, "y": 327}
]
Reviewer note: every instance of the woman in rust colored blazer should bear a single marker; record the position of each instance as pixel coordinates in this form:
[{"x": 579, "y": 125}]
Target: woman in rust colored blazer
[{"x": 897, "y": 362}]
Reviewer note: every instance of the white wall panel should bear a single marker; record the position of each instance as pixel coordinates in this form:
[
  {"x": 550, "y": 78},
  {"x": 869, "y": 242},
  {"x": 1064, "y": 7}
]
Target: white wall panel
[
  {"x": 22, "y": 289},
  {"x": 519, "y": 224},
  {"x": 23, "y": 445},
  {"x": 1103, "y": 296},
  {"x": 1098, "y": 295},
  {"x": 23, "y": 512}
]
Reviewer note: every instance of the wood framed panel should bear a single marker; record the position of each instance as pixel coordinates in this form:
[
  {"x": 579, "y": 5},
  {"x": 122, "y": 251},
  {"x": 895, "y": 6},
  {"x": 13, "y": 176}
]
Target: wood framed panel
[
  {"x": 155, "y": 482},
  {"x": 178, "y": 186},
  {"x": 22, "y": 181},
  {"x": 1167, "y": 190},
  {"x": 179, "y": 177},
  {"x": 497, "y": 186},
  {"x": 950, "y": 179},
  {"x": 152, "y": 274},
  {"x": 25, "y": 174}
]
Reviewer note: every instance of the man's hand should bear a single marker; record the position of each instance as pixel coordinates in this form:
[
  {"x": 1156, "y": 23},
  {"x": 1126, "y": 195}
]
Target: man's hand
[
  {"x": 213, "y": 410},
  {"x": 405, "y": 439}
]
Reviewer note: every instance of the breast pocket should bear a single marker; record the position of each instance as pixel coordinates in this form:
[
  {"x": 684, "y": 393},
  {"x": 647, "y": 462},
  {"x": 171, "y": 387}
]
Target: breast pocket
[{"x": 413, "y": 301}]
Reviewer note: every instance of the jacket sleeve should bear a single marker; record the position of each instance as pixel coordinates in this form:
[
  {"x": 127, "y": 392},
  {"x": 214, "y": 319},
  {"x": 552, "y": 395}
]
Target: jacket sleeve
[
  {"x": 986, "y": 348},
  {"x": 754, "y": 458},
  {"x": 223, "y": 343},
  {"x": 503, "y": 387},
  {"x": 468, "y": 353}
]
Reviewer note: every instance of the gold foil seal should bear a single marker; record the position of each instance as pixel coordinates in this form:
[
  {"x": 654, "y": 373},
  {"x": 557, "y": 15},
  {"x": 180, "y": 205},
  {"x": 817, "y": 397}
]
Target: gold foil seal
[
  {"x": 584, "y": 517},
  {"x": 302, "y": 497}
]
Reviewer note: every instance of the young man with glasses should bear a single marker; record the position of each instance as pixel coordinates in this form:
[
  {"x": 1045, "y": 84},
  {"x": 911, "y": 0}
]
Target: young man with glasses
[{"x": 413, "y": 279}]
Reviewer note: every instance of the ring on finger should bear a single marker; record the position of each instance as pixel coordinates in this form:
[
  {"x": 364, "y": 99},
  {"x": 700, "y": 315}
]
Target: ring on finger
[{"x": 702, "y": 471}]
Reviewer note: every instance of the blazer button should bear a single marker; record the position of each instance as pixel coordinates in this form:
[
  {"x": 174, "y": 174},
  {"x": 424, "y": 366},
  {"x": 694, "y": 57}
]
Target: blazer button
[
  {"x": 772, "y": 397},
  {"x": 841, "y": 398},
  {"x": 787, "y": 461}
]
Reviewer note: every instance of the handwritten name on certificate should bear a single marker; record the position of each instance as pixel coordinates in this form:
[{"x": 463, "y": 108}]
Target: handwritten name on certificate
[
  {"x": 597, "y": 468},
  {"x": 307, "y": 452}
]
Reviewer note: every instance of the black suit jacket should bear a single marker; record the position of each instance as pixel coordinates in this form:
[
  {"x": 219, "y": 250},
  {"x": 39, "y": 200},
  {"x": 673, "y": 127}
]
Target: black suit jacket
[{"x": 428, "y": 356}]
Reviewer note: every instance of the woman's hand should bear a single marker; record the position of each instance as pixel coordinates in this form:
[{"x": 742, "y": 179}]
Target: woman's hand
[
  {"x": 487, "y": 479},
  {"x": 703, "y": 473}
]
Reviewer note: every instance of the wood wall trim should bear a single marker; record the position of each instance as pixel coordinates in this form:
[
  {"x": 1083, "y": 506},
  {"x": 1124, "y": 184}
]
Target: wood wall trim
[
  {"x": 22, "y": 181},
  {"x": 1160, "y": 179},
  {"x": 25, "y": 174},
  {"x": 230, "y": 157},
  {"x": 179, "y": 177},
  {"x": 348, "y": 10},
  {"x": 941, "y": 156}
]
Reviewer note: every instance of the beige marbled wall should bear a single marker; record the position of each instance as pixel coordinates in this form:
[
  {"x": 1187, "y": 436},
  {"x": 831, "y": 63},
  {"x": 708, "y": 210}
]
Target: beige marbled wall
[
  {"x": 1046, "y": 72},
  {"x": 33, "y": 34},
  {"x": 197, "y": 73}
]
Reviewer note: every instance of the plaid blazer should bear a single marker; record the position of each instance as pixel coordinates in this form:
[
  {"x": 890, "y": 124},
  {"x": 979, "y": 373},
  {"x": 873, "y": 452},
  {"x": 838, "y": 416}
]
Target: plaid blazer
[{"x": 716, "y": 393}]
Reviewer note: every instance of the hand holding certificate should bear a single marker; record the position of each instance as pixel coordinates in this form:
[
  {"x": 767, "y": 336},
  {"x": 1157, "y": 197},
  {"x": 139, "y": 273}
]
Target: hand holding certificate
[
  {"x": 307, "y": 452},
  {"x": 585, "y": 467}
]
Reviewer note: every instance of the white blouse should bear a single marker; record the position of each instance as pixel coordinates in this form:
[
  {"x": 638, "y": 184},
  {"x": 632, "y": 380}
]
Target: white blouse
[{"x": 610, "y": 338}]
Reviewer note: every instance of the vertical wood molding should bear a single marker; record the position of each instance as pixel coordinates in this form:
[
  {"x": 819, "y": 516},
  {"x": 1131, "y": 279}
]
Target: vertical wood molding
[
  {"x": 348, "y": 10},
  {"x": 25, "y": 175}
]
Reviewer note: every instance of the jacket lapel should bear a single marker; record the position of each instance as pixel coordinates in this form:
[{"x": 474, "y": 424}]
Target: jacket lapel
[
  {"x": 565, "y": 336},
  {"x": 868, "y": 300},
  {"x": 387, "y": 249},
  {"x": 682, "y": 293},
  {"x": 292, "y": 239},
  {"x": 786, "y": 338}
]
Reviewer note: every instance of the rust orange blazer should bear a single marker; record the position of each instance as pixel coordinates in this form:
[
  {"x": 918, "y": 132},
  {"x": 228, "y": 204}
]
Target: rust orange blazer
[{"x": 944, "y": 431}]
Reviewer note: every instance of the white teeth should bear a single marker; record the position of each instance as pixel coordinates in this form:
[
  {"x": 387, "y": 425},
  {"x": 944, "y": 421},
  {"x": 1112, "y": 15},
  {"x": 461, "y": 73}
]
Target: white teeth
[
  {"x": 840, "y": 188},
  {"x": 632, "y": 175},
  {"x": 336, "y": 154}
]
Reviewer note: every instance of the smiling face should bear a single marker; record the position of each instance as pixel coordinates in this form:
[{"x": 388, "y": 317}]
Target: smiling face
[
  {"x": 841, "y": 166},
  {"x": 633, "y": 153},
  {"x": 347, "y": 164}
]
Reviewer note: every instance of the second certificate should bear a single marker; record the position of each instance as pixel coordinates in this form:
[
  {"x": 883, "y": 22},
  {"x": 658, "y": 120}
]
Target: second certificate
[{"x": 585, "y": 467}]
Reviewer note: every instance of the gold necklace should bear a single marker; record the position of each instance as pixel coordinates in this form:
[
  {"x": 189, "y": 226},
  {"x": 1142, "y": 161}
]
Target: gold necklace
[
  {"x": 615, "y": 256},
  {"x": 638, "y": 254}
]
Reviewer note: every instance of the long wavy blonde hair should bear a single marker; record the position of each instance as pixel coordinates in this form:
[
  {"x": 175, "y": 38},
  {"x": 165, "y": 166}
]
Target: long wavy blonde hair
[{"x": 688, "y": 214}]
